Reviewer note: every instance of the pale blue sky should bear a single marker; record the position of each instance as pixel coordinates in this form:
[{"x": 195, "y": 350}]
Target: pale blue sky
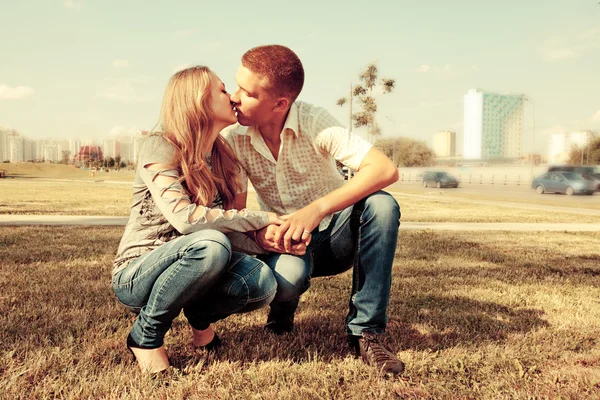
[{"x": 86, "y": 68}]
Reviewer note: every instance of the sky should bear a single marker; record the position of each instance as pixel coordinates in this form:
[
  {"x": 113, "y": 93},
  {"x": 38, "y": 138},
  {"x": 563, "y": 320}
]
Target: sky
[{"x": 95, "y": 68}]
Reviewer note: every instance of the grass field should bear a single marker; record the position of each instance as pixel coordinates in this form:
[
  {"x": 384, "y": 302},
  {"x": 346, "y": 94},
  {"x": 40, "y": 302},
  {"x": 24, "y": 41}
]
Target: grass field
[
  {"x": 59, "y": 171},
  {"x": 477, "y": 316},
  {"x": 84, "y": 197}
]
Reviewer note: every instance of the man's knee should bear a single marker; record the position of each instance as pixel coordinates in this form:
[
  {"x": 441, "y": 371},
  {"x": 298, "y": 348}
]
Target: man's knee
[
  {"x": 383, "y": 206},
  {"x": 292, "y": 274}
]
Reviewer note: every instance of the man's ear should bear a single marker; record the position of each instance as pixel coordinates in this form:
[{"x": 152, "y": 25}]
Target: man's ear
[{"x": 282, "y": 105}]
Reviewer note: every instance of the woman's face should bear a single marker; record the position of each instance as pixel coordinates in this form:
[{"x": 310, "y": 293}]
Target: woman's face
[{"x": 221, "y": 105}]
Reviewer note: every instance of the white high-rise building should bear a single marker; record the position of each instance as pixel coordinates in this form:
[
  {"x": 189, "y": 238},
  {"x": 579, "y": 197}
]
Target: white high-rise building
[
  {"x": 3, "y": 144},
  {"x": 110, "y": 147},
  {"x": 560, "y": 144},
  {"x": 444, "y": 144},
  {"x": 15, "y": 147},
  {"x": 493, "y": 125}
]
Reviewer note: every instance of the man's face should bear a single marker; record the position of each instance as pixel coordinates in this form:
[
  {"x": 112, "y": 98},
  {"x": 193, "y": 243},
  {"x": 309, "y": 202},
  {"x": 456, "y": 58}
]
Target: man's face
[{"x": 252, "y": 100}]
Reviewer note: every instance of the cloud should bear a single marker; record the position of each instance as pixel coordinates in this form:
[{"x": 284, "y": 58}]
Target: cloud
[
  {"x": 73, "y": 3},
  {"x": 122, "y": 92},
  {"x": 119, "y": 130},
  {"x": 19, "y": 92},
  {"x": 569, "y": 46},
  {"x": 434, "y": 68},
  {"x": 596, "y": 116},
  {"x": 120, "y": 63}
]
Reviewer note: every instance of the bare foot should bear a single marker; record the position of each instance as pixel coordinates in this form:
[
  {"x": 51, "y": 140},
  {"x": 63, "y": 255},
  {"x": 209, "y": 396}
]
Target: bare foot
[
  {"x": 151, "y": 360},
  {"x": 202, "y": 338}
]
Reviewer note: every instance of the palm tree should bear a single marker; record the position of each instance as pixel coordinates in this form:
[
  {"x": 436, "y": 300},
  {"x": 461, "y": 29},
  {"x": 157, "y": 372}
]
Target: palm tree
[{"x": 366, "y": 99}]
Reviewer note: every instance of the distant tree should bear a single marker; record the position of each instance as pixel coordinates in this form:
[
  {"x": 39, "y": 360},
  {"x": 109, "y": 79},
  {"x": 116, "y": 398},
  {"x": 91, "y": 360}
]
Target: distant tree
[
  {"x": 587, "y": 155},
  {"x": 66, "y": 156},
  {"x": 122, "y": 165},
  {"x": 363, "y": 93},
  {"x": 118, "y": 161},
  {"x": 111, "y": 162},
  {"x": 595, "y": 151},
  {"x": 406, "y": 152}
]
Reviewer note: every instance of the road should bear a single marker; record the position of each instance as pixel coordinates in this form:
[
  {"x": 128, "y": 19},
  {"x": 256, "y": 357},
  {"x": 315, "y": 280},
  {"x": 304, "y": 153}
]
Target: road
[{"x": 506, "y": 193}]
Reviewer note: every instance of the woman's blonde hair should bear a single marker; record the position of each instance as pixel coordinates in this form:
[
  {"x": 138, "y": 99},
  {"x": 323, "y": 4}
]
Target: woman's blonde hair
[{"x": 187, "y": 122}]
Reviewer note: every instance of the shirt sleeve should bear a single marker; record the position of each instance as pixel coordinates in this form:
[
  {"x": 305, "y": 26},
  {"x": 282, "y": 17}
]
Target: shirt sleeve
[
  {"x": 160, "y": 151},
  {"x": 332, "y": 137}
]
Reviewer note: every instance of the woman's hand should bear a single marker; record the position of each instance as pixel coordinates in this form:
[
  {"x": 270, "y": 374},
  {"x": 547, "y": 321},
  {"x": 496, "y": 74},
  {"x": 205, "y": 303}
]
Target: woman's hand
[
  {"x": 274, "y": 219},
  {"x": 264, "y": 238}
]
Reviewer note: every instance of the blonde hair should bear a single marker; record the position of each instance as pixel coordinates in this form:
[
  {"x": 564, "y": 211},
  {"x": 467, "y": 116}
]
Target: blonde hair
[{"x": 187, "y": 122}]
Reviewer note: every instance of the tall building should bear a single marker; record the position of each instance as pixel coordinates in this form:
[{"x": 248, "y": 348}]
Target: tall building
[
  {"x": 15, "y": 147},
  {"x": 110, "y": 147},
  {"x": 493, "y": 125},
  {"x": 3, "y": 144},
  {"x": 444, "y": 144},
  {"x": 560, "y": 144}
]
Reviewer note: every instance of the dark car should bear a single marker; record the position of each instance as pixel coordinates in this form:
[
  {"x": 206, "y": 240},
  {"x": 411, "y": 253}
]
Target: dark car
[
  {"x": 439, "y": 179},
  {"x": 587, "y": 171},
  {"x": 563, "y": 182}
]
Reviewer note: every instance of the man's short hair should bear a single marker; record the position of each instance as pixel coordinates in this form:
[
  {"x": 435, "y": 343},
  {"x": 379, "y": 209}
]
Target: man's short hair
[{"x": 280, "y": 65}]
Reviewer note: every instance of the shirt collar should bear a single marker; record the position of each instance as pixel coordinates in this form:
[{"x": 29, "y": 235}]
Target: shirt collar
[{"x": 291, "y": 122}]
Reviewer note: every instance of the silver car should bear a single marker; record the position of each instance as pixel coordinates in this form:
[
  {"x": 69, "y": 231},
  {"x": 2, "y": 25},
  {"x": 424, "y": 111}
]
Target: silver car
[{"x": 563, "y": 182}]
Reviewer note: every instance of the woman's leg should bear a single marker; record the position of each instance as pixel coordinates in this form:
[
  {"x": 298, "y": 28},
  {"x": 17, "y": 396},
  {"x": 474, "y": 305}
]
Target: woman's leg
[
  {"x": 163, "y": 281},
  {"x": 247, "y": 285}
]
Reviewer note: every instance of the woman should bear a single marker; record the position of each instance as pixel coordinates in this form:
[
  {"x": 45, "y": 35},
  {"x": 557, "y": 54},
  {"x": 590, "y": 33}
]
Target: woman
[{"x": 174, "y": 255}]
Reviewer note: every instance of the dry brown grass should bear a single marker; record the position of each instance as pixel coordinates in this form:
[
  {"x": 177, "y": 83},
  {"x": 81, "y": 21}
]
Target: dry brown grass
[
  {"x": 82, "y": 197},
  {"x": 482, "y": 316},
  {"x": 59, "y": 171}
]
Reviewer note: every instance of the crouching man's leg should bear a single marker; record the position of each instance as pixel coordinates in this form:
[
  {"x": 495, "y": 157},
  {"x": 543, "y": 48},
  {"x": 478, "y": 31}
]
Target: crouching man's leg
[
  {"x": 293, "y": 278},
  {"x": 364, "y": 236}
]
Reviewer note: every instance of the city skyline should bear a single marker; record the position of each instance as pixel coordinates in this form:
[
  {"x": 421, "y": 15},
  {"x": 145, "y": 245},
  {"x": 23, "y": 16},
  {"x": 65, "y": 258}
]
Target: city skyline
[{"x": 100, "y": 68}]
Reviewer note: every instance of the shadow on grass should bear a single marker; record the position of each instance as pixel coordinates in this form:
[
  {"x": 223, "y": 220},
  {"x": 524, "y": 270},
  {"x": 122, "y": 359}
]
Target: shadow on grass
[
  {"x": 439, "y": 322},
  {"x": 502, "y": 263},
  {"x": 452, "y": 322}
]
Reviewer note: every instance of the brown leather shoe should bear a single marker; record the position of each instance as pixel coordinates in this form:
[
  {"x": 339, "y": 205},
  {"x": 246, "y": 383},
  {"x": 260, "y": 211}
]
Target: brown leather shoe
[{"x": 376, "y": 354}]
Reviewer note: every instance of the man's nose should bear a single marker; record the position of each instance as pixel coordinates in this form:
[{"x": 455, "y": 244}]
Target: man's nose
[{"x": 235, "y": 98}]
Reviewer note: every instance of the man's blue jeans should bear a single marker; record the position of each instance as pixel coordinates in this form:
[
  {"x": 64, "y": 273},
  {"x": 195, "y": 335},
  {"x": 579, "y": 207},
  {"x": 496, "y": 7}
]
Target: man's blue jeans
[
  {"x": 197, "y": 273},
  {"x": 362, "y": 237}
]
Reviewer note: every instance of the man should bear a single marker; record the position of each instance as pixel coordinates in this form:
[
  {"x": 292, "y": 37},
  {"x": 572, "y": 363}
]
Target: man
[{"x": 288, "y": 150}]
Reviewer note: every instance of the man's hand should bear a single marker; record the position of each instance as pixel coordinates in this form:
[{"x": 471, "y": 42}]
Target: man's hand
[
  {"x": 265, "y": 239},
  {"x": 298, "y": 226}
]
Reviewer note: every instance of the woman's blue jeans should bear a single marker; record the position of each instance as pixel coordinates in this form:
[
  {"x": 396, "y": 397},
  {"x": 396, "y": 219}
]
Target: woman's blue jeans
[{"x": 197, "y": 273}]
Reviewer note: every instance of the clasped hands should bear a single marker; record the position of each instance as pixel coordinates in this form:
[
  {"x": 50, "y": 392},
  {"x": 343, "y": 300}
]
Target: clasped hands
[{"x": 291, "y": 233}]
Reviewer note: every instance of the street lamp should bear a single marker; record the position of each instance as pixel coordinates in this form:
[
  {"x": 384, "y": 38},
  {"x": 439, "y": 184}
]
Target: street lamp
[{"x": 527, "y": 98}]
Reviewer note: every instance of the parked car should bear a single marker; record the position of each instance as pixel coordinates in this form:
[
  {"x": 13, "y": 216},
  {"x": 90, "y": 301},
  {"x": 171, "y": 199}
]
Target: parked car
[
  {"x": 587, "y": 171},
  {"x": 439, "y": 179},
  {"x": 346, "y": 172},
  {"x": 563, "y": 182}
]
